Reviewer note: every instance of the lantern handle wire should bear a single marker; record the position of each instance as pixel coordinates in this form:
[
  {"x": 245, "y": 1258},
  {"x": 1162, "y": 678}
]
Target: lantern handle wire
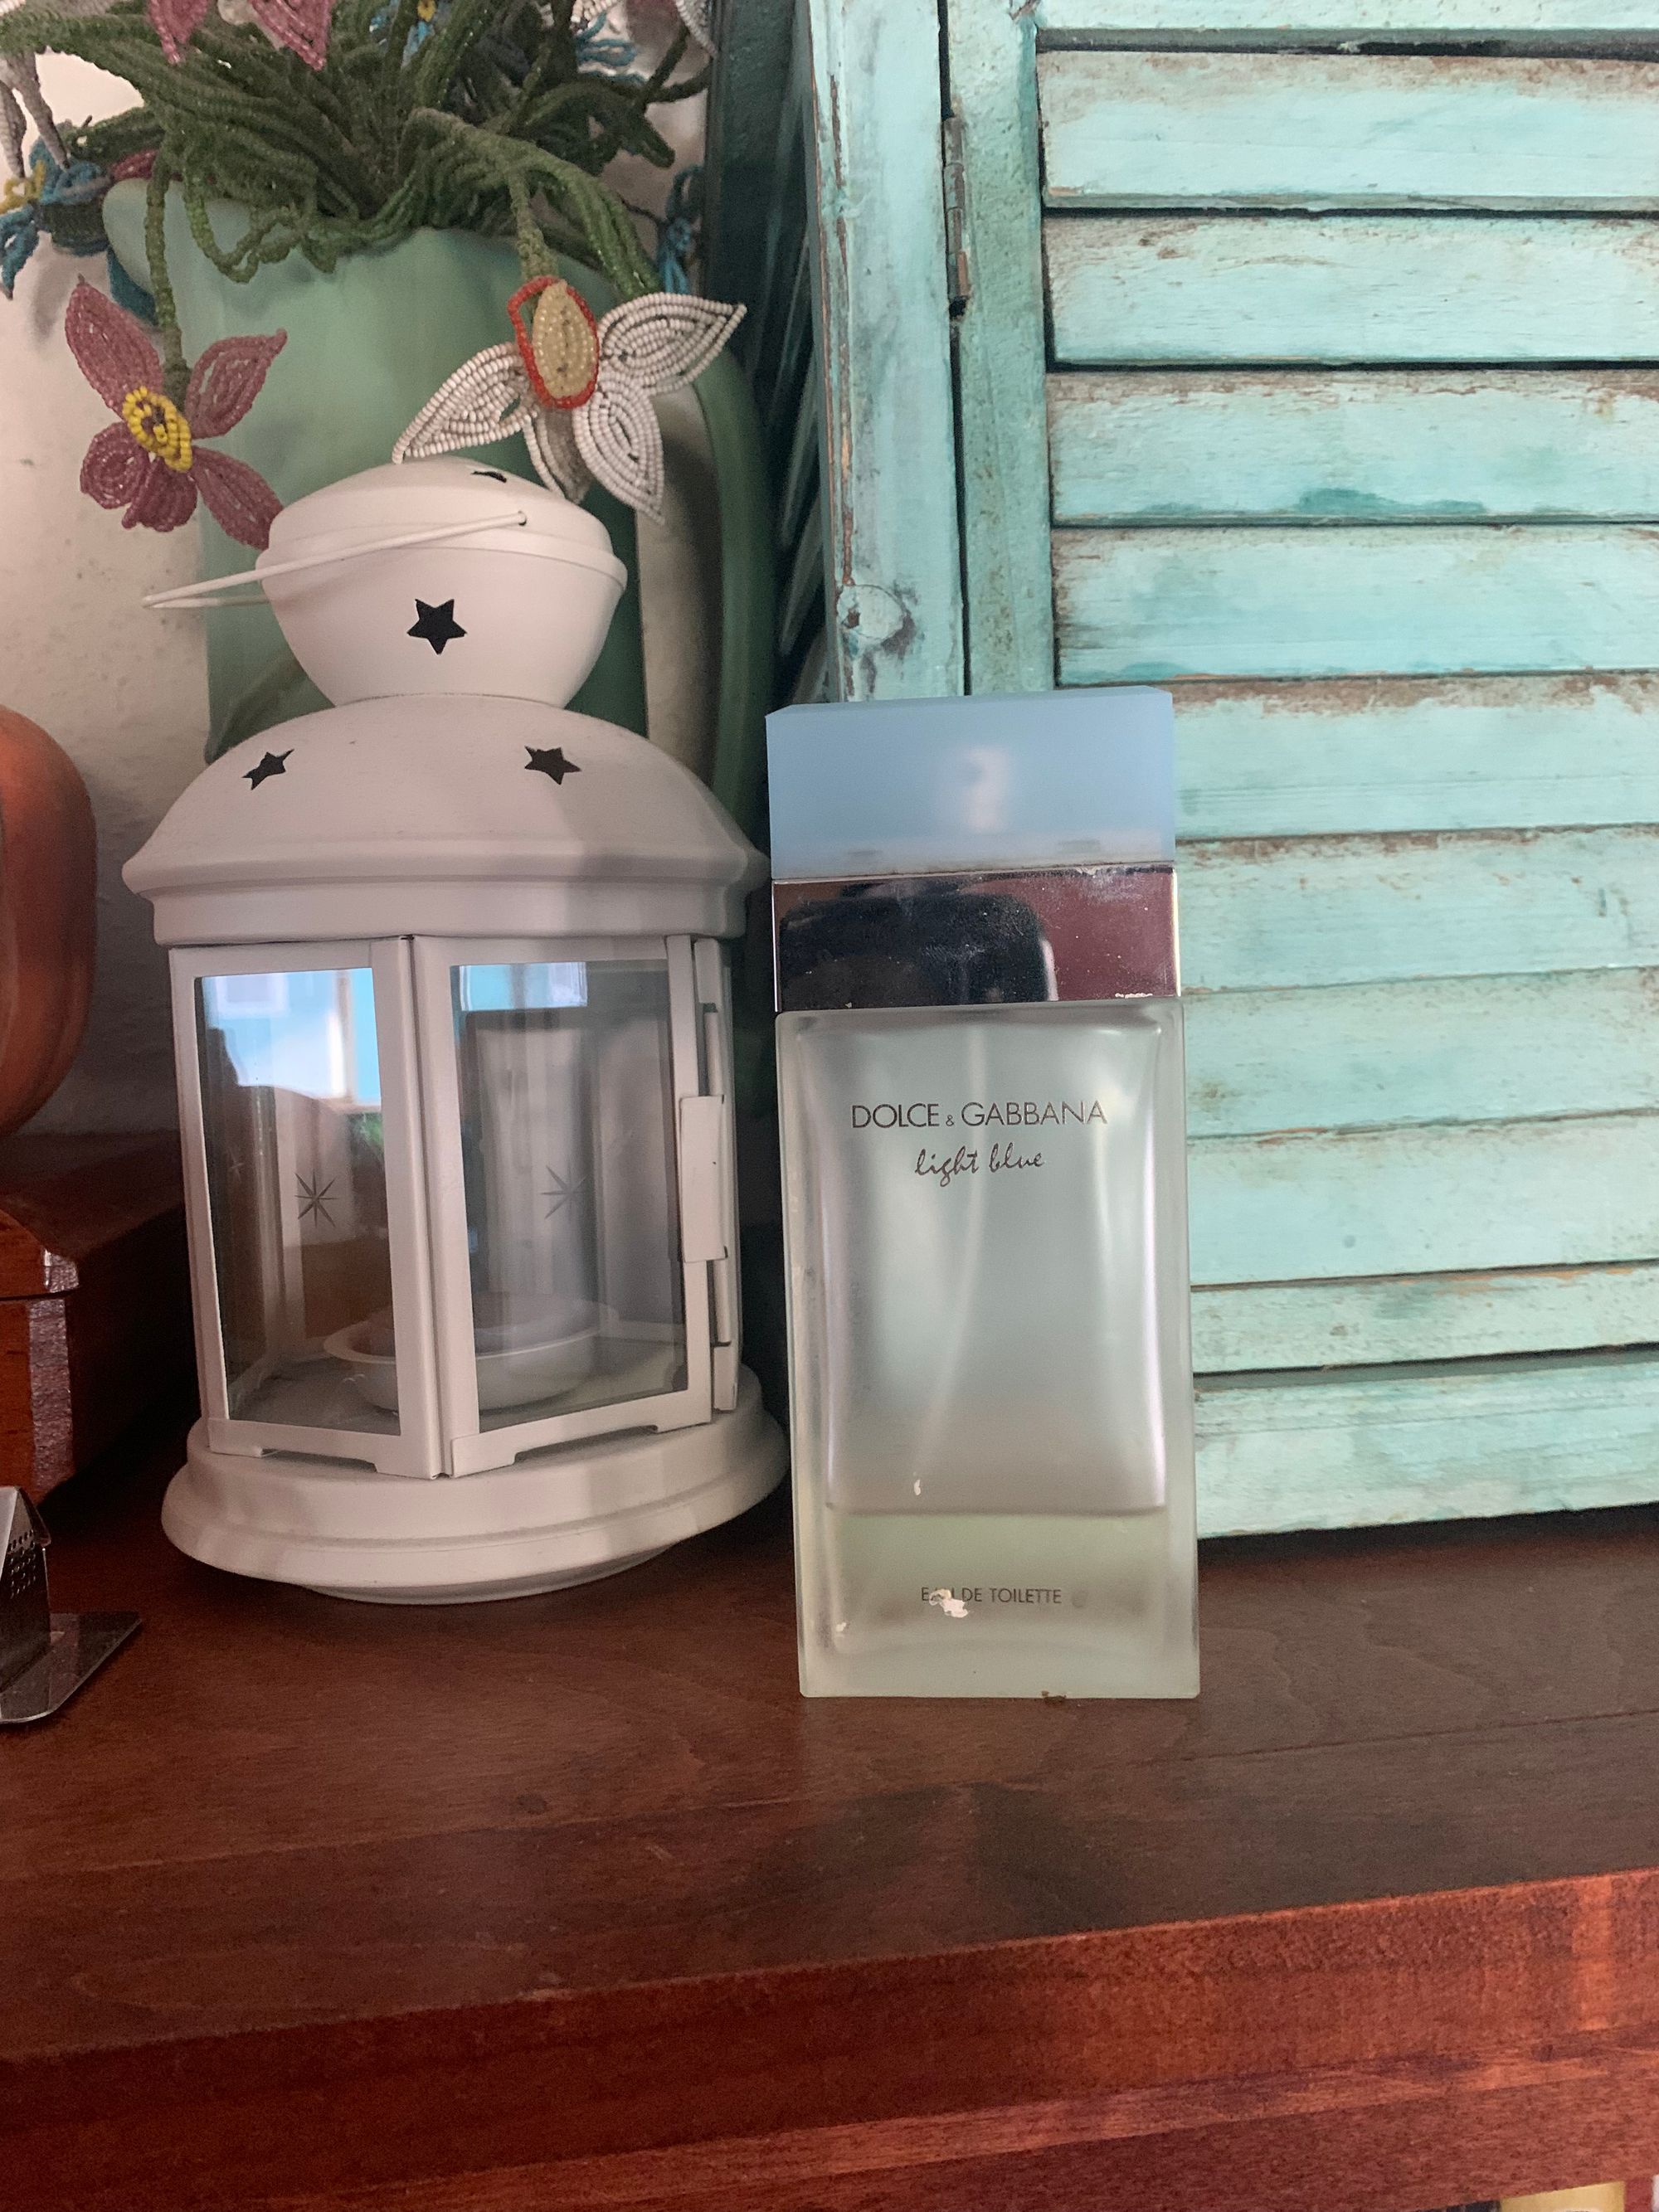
[{"x": 209, "y": 591}]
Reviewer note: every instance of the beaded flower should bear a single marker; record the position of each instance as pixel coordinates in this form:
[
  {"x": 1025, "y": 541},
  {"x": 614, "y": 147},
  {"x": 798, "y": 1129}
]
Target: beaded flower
[
  {"x": 301, "y": 26},
  {"x": 23, "y": 103},
  {"x": 63, "y": 201},
  {"x": 677, "y": 231},
  {"x": 49, "y": 194},
  {"x": 697, "y": 15},
  {"x": 152, "y": 461},
  {"x": 429, "y": 15},
  {"x": 600, "y": 43},
  {"x": 577, "y": 390}
]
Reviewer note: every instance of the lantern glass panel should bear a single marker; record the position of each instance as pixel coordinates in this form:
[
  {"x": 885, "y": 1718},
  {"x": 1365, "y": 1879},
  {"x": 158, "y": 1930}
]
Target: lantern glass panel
[
  {"x": 568, "y": 1154},
  {"x": 296, "y": 1157}
]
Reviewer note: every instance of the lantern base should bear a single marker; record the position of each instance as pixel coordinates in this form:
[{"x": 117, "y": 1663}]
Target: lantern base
[{"x": 550, "y": 1520}]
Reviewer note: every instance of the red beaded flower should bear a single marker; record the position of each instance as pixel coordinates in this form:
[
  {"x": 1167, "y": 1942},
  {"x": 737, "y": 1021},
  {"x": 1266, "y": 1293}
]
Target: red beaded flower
[{"x": 152, "y": 461}]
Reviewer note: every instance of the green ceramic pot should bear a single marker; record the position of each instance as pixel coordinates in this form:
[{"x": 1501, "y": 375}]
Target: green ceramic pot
[{"x": 367, "y": 347}]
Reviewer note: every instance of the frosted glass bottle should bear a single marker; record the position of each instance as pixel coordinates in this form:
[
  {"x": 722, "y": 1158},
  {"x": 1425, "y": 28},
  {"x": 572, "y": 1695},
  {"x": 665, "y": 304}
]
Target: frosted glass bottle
[{"x": 985, "y": 1204}]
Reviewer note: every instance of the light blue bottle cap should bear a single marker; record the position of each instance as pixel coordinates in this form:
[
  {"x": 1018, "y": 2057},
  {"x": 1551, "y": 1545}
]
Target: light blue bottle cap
[{"x": 909, "y": 787}]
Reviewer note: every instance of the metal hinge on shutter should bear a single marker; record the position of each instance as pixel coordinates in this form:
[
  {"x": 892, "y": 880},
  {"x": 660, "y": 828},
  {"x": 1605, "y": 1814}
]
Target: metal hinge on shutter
[{"x": 958, "y": 269}]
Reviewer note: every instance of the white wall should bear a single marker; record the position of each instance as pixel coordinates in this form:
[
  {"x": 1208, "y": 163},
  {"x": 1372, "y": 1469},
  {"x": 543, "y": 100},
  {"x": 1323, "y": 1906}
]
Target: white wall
[{"x": 124, "y": 690}]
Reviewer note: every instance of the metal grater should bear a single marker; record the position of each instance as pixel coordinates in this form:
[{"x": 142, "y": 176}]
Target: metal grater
[{"x": 45, "y": 1657}]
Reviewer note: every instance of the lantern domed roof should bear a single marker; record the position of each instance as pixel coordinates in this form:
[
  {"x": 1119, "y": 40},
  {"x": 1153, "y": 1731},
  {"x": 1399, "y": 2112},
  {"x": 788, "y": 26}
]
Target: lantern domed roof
[
  {"x": 518, "y": 603},
  {"x": 436, "y": 816}
]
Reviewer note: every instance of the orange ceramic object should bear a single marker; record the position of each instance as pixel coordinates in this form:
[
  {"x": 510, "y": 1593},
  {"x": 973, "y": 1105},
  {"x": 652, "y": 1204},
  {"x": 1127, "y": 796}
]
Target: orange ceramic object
[{"x": 48, "y": 891}]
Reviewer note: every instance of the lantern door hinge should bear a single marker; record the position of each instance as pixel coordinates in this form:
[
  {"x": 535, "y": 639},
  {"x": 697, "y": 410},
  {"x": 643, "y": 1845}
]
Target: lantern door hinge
[{"x": 958, "y": 265}]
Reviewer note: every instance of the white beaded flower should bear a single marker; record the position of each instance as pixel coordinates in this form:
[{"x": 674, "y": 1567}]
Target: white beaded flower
[
  {"x": 21, "y": 104},
  {"x": 578, "y": 391},
  {"x": 698, "y": 17}
]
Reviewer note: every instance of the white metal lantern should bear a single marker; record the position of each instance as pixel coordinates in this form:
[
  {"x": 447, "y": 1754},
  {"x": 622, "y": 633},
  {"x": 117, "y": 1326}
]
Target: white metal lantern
[{"x": 455, "y": 1066}]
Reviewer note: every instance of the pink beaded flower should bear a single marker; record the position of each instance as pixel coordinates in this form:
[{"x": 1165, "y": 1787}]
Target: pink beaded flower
[
  {"x": 301, "y": 26},
  {"x": 152, "y": 461}
]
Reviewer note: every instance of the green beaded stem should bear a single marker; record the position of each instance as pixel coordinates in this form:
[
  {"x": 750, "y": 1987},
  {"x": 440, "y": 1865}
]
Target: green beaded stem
[{"x": 490, "y": 124}]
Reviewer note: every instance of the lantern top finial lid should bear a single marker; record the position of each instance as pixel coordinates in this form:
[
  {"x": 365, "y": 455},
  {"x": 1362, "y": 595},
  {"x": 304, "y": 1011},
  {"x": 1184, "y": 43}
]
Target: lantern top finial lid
[
  {"x": 400, "y": 497},
  {"x": 443, "y": 817},
  {"x": 441, "y": 575}
]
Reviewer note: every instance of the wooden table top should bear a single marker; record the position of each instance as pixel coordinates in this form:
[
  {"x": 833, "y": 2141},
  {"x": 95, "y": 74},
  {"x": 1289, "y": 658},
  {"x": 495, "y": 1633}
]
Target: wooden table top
[{"x": 574, "y": 1901}]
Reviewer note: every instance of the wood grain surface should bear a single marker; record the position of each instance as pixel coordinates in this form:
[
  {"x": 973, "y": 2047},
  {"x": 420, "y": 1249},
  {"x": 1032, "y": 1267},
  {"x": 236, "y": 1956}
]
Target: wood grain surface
[
  {"x": 62, "y": 1198},
  {"x": 1333, "y": 130},
  {"x": 1460, "y": 1048},
  {"x": 1348, "y": 287},
  {"x": 1334, "y": 22},
  {"x": 95, "y": 1296},
  {"x": 1145, "y": 605},
  {"x": 1485, "y": 752},
  {"x": 1382, "y": 445},
  {"x": 999, "y": 344},
  {"x": 1303, "y": 1204},
  {"x": 1271, "y": 912},
  {"x": 1488, "y": 1314},
  {"x": 892, "y": 563},
  {"x": 575, "y": 1902},
  {"x": 1442, "y": 1439}
]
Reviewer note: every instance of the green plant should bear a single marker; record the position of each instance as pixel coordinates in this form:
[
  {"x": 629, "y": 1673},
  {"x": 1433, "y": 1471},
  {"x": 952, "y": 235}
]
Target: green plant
[
  {"x": 335, "y": 129},
  {"x": 490, "y": 123}
]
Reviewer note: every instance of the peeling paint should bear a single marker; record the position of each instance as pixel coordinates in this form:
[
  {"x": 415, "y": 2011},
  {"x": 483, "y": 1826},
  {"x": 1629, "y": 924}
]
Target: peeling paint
[
  {"x": 1313, "y": 131},
  {"x": 1345, "y": 289}
]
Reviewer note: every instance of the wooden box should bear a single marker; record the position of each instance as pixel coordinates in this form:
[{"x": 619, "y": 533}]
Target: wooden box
[
  {"x": 94, "y": 1296},
  {"x": 1306, "y": 360}
]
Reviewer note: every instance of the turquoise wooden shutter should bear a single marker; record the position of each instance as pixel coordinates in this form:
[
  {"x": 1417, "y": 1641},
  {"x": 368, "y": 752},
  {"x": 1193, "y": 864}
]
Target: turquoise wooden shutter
[{"x": 1320, "y": 384}]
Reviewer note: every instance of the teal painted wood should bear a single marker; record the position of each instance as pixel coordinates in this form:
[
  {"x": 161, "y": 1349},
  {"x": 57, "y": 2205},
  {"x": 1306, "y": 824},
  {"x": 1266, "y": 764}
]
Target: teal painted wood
[
  {"x": 1306, "y": 1205},
  {"x": 1330, "y": 130},
  {"x": 892, "y": 553},
  {"x": 1369, "y": 753},
  {"x": 1394, "y": 942},
  {"x": 1402, "y": 445},
  {"x": 1429, "y": 1443},
  {"x": 1003, "y": 416},
  {"x": 1387, "y": 1319},
  {"x": 1334, "y": 22},
  {"x": 1144, "y": 604},
  {"x": 1350, "y": 288},
  {"x": 1463, "y": 1048},
  {"x": 1274, "y": 914}
]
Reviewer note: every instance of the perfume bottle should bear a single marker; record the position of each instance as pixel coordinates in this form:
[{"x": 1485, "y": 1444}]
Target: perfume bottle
[{"x": 983, "y": 1121}]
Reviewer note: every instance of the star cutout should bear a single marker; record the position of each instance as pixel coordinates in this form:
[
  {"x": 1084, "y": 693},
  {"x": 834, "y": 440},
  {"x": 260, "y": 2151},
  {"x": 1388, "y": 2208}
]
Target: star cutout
[
  {"x": 436, "y": 625},
  {"x": 314, "y": 1197},
  {"x": 271, "y": 765},
  {"x": 563, "y": 1192},
  {"x": 547, "y": 760}
]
